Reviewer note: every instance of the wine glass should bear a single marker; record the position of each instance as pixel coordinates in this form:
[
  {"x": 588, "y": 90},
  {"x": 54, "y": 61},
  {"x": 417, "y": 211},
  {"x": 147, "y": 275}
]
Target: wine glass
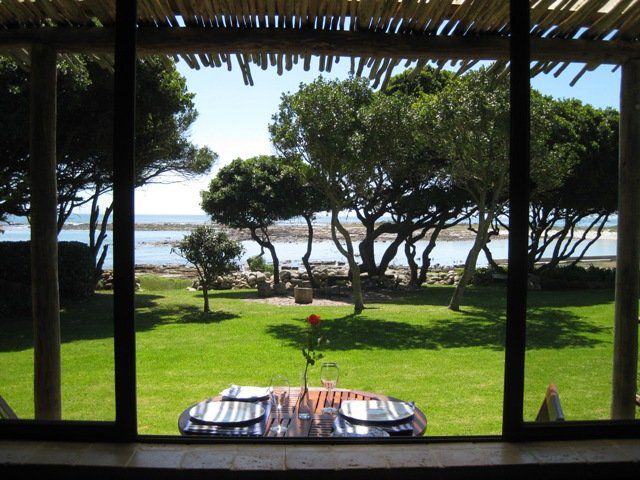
[
  {"x": 280, "y": 391},
  {"x": 329, "y": 377}
]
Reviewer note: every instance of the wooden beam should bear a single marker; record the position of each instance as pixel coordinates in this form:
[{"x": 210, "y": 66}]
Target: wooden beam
[
  {"x": 44, "y": 234},
  {"x": 625, "y": 346},
  {"x": 169, "y": 41}
]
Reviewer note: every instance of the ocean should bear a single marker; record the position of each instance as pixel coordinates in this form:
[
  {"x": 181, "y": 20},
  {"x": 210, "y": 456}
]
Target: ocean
[{"x": 154, "y": 246}]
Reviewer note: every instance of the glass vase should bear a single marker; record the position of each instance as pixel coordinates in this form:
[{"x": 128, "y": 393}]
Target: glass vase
[{"x": 305, "y": 406}]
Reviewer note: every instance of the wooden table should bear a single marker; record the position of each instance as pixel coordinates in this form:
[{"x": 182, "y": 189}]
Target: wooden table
[{"x": 321, "y": 424}]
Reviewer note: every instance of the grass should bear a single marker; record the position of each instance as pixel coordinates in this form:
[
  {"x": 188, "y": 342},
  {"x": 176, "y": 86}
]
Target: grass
[{"x": 414, "y": 348}]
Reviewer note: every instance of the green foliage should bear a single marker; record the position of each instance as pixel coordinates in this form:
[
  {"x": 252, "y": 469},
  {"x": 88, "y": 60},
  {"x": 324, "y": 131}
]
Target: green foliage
[
  {"x": 428, "y": 81},
  {"x": 483, "y": 276},
  {"x": 210, "y": 251},
  {"x": 75, "y": 272},
  {"x": 254, "y": 193},
  {"x": 574, "y": 277},
  {"x": 257, "y": 263},
  {"x": 322, "y": 125},
  {"x": 164, "y": 113}
]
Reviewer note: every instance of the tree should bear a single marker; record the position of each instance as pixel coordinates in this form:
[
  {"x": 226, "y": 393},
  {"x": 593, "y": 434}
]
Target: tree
[
  {"x": 165, "y": 111},
  {"x": 254, "y": 194},
  {"x": 410, "y": 183},
  {"x": 322, "y": 125},
  {"x": 570, "y": 208},
  {"x": 212, "y": 253},
  {"x": 469, "y": 121}
]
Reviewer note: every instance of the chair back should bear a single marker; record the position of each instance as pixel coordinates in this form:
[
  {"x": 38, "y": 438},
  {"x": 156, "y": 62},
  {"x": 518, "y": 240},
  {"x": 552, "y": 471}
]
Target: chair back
[
  {"x": 6, "y": 412},
  {"x": 551, "y": 408}
]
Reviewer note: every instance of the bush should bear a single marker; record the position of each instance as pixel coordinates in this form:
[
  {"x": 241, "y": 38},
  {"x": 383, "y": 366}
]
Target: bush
[
  {"x": 75, "y": 272},
  {"x": 258, "y": 264},
  {"x": 577, "y": 278},
  {"x": 484, "y": 276}
]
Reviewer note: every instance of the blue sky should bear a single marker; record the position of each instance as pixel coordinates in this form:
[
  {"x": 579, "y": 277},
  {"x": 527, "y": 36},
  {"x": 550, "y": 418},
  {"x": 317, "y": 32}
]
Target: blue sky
[{"x": 233, "y": 117}]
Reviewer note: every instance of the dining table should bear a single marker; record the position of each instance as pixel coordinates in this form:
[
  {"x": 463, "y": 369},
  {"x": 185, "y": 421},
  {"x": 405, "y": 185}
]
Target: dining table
[{"x": 319, "y": 425}]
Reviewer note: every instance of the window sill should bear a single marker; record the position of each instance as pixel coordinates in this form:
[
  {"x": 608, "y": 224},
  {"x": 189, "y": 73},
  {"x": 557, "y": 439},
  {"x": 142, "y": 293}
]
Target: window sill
[{"x": 496, "y": 459}]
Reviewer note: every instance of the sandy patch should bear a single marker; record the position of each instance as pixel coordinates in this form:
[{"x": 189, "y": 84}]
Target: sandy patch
[{"x": 288, "y": 301}]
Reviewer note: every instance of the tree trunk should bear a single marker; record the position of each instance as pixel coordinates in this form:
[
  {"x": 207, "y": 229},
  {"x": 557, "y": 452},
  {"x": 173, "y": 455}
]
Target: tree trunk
[
  {"x": 410, "y": 253},
  {"x": 44, "y": 235},
  {"x": 426, "y": 259},
  {"x": 472, "y": 258},
  {"x": 625, "y": 342},
  {"x": 102, "y": 237},
  {"x": 272, "y": 250},
  {"x": 354, "y": 269},
  {"x": 390, "y": 253},
  {"x": 276, "y": 262},
  {"x": 96, "y": 248},
  {"x": 307, "y": 255},
  {"x": 492, "y": 263},
  {"x": 367, "y": 250},
  {"x": 205, "y": 294}
]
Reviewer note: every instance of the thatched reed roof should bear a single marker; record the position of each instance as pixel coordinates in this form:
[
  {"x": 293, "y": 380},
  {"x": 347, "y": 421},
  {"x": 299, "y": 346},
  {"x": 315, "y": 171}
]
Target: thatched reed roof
[{"x": 597, "y": 21}]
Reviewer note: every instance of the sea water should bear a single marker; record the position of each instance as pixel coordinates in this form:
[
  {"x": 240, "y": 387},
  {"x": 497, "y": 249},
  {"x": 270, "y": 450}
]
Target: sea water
[{"x": 154, "y": 246}]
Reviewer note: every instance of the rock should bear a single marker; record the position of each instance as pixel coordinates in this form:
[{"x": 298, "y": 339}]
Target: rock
[
  {"x": 260, "y": 278},
  {"x": 285, "y": 276}
]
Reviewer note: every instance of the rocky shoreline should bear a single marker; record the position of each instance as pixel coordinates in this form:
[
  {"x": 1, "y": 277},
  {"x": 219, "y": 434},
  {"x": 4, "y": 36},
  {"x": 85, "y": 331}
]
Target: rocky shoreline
[
  {"x": 286, "y": 233},
  {"x": 332, "y": 278}
]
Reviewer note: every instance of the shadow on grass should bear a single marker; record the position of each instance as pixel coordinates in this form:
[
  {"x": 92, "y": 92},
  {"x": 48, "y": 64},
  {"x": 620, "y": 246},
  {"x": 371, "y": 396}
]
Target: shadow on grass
[
  {"x": 481, "y": 325},
  {"x": 208, "y": 317},
  {"x": 93, "y": 319},
  {"x": 496, "y": 297},
  {"x": 546, "y": 328}
]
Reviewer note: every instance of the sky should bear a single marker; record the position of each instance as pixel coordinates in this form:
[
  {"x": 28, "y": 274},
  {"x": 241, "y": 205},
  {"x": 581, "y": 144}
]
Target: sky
[{"x": 233, "y": 118}]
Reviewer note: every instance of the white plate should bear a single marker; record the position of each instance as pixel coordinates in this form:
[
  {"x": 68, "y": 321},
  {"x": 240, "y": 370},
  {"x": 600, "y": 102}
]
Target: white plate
[
  {"x": 376, "y": 411},
  {"x": 226, "y": 413},
  {"x": 245, "y": 393}
]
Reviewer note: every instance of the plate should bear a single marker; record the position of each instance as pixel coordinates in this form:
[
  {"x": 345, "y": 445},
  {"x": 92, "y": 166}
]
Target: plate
[
  {"x": 376, "y": 411},
  {"x": 245, "y": 393},
  {"x": 226, "y": 413}
]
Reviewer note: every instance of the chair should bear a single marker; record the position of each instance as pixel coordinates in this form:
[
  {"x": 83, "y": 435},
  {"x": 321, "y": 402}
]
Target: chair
[
  {"x": 551, "y": 409},
  {"x": 6, "y": 412}
]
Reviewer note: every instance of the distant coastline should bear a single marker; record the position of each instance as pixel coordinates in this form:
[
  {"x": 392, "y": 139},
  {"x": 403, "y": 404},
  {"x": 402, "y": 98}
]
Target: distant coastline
[{"x": 285, "y": 232}]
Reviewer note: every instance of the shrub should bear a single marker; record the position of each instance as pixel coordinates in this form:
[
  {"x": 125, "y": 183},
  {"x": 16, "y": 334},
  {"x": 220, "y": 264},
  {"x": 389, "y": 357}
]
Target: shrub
[
  {"x": 258, "y": 264},
  {"x": 213, "y": 254},
  {"x": 75, "y": 272},
  {"x": 577, "y": 278},
  {"x": 484, "y": 276}
]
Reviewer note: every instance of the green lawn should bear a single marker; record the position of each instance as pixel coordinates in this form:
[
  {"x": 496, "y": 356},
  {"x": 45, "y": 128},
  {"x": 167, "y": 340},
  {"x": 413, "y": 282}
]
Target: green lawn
[{"x": 450, "y": 364}]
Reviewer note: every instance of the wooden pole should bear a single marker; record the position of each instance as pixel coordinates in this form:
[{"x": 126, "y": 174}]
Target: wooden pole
[
  {"x": 44, "y": 234},
  {"x": 625, "y": 345}
]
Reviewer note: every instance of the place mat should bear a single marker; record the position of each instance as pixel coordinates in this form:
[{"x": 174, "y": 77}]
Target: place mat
[
  {"x": 254, "y": 430},
  {"x": 344, "y": 428},
  {"x": 226, "y": 413},
  {"x": 376, "y": 412}
]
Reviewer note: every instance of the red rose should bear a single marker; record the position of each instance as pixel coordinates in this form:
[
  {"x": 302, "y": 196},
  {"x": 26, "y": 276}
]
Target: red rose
[{"x": 314, "y": 319}]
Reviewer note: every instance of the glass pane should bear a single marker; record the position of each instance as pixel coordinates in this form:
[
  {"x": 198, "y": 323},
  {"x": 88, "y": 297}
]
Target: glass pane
[
  {"x": 406, "y": 343},
  {"x": 74, "y": 318},
  {"x": 572, "y": 249}
]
